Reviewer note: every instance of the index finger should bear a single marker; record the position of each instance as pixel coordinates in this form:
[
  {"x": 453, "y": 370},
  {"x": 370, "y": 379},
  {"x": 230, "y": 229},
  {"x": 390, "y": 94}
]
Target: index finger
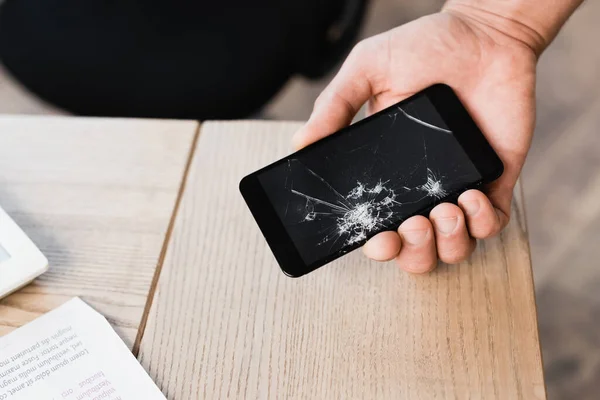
[{"x": 343, "y": 97}]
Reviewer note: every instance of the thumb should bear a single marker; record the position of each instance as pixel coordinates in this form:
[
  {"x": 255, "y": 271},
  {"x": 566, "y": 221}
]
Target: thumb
[{"x": 344, "y": 96}]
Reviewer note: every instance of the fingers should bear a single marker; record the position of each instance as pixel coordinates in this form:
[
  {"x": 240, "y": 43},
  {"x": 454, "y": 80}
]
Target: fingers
[
  {"x": 448, "y": 234},
  {"x": 354, "y": 84},
  {"x": 384, "y": 246},
  {"x": 384, "y": 68},
  {"x": 418, "y": 253},
  {"x": 483, "y": 219},
  {"x": 452, "y": 238}
]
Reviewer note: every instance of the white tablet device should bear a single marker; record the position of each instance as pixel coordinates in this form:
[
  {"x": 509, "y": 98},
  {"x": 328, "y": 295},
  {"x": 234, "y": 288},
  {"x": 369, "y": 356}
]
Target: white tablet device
[{"x": 20, "y": 260}]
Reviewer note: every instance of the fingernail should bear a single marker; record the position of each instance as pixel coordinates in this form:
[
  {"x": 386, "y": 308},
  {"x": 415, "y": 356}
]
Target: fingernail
[
  {"x": 415, "y": 237},
  {"x": 445, "y": 225},
  {"x": 471, "y": 207}
]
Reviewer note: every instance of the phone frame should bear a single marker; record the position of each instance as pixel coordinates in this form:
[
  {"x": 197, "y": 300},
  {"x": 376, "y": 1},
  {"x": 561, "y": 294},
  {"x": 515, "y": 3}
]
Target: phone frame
[{"x": 455, "y": 116}]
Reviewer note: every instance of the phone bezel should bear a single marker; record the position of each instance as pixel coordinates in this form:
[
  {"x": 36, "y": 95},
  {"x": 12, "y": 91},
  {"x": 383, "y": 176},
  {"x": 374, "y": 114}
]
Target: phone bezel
[{"x": 455, "y": 116}]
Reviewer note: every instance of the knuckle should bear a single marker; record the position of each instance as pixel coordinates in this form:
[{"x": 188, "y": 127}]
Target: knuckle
[
  {"x": 359, "y": 48},
  {"x": 319, "y": 100},
  {"x": 360, "y": 52}
]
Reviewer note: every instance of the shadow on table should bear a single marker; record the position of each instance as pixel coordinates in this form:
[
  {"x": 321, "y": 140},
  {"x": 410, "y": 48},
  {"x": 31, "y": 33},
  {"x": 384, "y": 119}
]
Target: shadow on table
[{"x": 569, "y": 328}]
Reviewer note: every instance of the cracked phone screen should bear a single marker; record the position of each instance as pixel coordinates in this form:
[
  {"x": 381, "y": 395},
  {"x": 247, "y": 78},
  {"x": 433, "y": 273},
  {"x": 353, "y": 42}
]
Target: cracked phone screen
[{"x": 340, "y": 192}]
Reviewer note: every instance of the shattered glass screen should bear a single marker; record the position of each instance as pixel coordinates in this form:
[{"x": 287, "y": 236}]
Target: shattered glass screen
[{"x": 369, "y": 179}]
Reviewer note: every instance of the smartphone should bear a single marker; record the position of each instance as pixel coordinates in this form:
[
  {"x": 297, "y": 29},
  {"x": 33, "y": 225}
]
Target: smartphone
[{"x": 329, "y": 198}]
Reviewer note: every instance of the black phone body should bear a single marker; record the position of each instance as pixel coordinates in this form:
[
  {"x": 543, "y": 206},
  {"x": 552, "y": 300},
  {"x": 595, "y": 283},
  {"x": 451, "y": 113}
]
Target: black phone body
[{"x": 327, "y": 199}]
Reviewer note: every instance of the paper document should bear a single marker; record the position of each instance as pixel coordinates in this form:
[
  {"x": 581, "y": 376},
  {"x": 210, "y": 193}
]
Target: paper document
[{"x": 71, "y": 353}]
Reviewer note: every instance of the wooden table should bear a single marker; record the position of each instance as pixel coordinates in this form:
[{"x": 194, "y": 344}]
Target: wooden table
[{"x": 142, "y": 219}]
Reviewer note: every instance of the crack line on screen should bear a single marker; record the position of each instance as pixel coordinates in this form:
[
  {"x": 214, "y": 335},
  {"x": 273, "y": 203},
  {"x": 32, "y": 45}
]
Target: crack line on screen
[
  {"x": 394, "y": 116},
  {"x": 368, "y": 206}
]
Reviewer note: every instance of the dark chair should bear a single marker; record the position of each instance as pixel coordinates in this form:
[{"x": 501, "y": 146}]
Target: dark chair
[{"x": 171, "y": 58}]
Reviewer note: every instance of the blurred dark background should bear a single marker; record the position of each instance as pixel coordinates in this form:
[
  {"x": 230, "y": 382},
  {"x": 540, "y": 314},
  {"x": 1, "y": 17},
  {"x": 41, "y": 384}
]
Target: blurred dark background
[{"x": 561, "y": 178}]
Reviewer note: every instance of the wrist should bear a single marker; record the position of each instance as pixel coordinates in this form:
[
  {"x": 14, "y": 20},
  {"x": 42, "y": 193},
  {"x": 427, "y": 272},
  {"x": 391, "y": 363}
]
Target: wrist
[{"x": 529, "y": 22}]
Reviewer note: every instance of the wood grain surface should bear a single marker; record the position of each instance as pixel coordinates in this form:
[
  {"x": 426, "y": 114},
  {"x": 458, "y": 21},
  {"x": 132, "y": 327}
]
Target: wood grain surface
[
  {"x": 96, "y": 196},
  {"x": 226, "y": 323}
]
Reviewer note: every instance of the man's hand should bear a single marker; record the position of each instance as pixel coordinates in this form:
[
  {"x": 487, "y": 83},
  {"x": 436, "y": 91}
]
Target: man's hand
[{"x": 492, "y": 72}]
